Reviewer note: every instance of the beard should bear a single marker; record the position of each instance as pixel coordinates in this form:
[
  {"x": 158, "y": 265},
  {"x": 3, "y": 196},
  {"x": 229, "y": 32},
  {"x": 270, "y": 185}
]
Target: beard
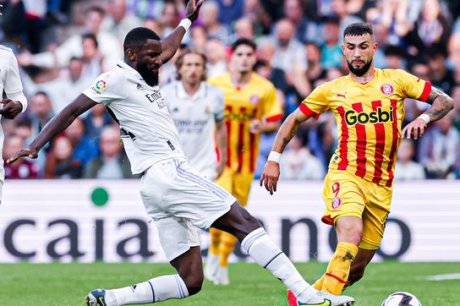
[
  {"x": 359, "y": 71},
  {"x": 149, "y": 76}
]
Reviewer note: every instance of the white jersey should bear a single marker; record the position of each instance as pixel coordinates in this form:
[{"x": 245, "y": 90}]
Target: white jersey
[
  {"x": 147, "y": 129},
  {"x": 10, "y": 84},
  {"x": 195, "y": 117}
]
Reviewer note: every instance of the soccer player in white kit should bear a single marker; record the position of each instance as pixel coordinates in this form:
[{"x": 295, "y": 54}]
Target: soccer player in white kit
[
  {"x": 198, "y": 112},
  {"x": 176, "y": 197},
  {"x": 15, "y": 101}
]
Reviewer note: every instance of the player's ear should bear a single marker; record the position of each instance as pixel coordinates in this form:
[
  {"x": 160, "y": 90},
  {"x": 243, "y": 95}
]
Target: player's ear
[{"x": 132, "y": 56}]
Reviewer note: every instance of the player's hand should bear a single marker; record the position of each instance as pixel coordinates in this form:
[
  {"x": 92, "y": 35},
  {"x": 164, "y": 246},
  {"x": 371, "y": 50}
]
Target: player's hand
[
  {"x": 192, "y": 9},
  {"x": 10, "y": 108},
  {"x": 414, "y": 129},
  {"x": 270, "y": 176},
  {"x": 255, "y": 127},
  {"x": 25, "y": 152},
  {"x": 25, "y": 58}
]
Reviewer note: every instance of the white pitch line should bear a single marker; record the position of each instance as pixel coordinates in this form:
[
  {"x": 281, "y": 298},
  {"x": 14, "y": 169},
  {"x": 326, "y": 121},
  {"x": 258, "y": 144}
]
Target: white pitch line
[{"x": 443, "y": 277}]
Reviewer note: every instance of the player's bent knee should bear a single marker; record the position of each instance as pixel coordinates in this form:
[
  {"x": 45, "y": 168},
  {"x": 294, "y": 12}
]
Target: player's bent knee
[
  {"x": 250, "y": 219},
  {"x": 193, "y": 283}
]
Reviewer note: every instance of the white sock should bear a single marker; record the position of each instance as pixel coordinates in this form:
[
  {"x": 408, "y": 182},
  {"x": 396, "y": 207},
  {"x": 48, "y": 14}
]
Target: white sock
[
  {"x": 212, "y": 264},
  {"x": 154, "y": 290},
  {"x": 268, "y": 255}
]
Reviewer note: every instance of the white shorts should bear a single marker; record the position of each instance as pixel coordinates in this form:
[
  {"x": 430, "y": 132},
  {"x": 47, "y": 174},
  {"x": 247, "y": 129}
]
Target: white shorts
[{"x": 179, "y": 199}]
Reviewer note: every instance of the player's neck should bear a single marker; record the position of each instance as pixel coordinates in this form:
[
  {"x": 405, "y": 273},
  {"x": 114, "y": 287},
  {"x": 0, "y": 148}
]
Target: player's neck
[
  {"x": 365, "y": 78},
  {"x": 239, "y": 79},
  {"x": 191, "y": 88}
]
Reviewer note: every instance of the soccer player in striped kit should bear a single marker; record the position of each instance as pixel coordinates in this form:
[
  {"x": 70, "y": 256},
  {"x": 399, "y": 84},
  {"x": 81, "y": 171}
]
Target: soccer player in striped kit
[
  {"x": 368, "y": 105},
  {"x": 251, "y": 108}
]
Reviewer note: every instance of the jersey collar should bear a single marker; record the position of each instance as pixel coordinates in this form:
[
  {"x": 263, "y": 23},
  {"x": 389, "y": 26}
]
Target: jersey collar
[
  {"x": 182, "y": 94},
  {"x": 134, "y": 74}
]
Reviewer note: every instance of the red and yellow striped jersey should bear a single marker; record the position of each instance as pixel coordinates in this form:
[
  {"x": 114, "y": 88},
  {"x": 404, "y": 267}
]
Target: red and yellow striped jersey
[
  {"x": 369, "y": 118},
  {"x": 255, "y": 100}
]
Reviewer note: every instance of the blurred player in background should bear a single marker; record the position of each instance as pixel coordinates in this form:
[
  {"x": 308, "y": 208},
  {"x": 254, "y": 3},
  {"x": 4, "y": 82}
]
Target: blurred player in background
[
  {"x": 13, "y": 99},
  {"x": 368, "y": 105},
  {"x": 251, "y": 108},
  {"x": 175, "y": 195},
  {"x": 198, "y": 112}
]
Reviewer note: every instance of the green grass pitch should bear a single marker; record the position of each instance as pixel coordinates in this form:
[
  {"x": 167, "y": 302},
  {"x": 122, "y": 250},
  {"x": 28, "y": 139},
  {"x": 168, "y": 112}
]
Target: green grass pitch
[{"x": 67, "y": 284}]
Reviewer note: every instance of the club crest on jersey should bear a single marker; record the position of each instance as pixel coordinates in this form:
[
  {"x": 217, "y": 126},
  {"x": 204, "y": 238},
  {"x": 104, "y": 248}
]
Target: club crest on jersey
[
  {"x": 209, "y": 109},
  {"x": 254, "y": 99},
  {"x": 387, "y": 89}
]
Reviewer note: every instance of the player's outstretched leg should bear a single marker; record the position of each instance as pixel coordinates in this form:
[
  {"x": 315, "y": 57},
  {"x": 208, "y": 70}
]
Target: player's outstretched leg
[
  {"x": 187, "y": 282},
  {"x": 256, "y": 243}
]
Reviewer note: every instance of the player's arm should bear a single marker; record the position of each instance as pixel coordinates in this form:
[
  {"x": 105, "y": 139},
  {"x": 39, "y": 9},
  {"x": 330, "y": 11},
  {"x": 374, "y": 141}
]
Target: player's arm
[
  {"x": 268, "y": 127},
  {"x": 288, "y": 129},
  {"x": 258, "y": 126},
  {"x": 441, "y": 104},
  {"x": 221, "y": 140},
  {"x": 16, "y": 101},
  {"x": 172, "y": 42},
  {"x": 55, "y": 126}
]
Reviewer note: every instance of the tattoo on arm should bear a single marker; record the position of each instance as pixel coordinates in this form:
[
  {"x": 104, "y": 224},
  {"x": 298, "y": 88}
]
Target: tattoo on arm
[
  {"x": 285, "y": 142},
  {"x": 440, "y": 102},
  {"x": 287, "y": 139}
]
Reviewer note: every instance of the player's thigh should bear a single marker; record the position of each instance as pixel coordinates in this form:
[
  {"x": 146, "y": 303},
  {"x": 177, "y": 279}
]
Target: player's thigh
[
  {"x": 375, "y": 215},
  {"x": 177, "y": 236},
  {"x": 343, "y": 196}
]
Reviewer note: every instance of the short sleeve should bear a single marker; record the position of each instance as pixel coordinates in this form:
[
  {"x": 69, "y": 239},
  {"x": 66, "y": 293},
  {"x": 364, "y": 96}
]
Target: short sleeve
[
  {"x": 272, "y": 107},
  {"x": 13, "y": 86},
  {"x": 219, "y": 105},
  {"x": 414, "y": 87},
  {"x": 105, "y": 89},
  {"x": 317, "y": 102}
]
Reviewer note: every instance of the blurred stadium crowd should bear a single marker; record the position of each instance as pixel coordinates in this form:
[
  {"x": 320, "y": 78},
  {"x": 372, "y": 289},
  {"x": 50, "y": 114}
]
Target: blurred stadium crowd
[{"x": 62, "y": 45}]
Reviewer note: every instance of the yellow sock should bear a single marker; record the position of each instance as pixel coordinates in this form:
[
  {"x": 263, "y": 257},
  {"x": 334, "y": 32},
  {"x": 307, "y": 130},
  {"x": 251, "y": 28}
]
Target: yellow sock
[
  {"x": 318, "y": 285},
  {"x": 215, "y": 241},
  {"x": 227, "y": 245},
  {"x": 337, "y": 271}
]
